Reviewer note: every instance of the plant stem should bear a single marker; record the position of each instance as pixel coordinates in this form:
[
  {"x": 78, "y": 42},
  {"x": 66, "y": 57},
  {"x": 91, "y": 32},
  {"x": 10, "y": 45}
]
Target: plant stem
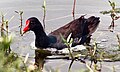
[
  {"x": 73, "y": 12},
  {"x": 70, "y": 52},
  {"x": 9, "y": 49},
  {"x": 21, "y": 21},
  {"x": 7, "y": 27},
  {"x": 44, "y": 16},
  {"x": 2, "y": 26}
]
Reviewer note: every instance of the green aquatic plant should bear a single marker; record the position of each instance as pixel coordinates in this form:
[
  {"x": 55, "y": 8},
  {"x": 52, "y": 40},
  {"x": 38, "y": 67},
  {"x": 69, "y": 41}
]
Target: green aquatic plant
[
  {"x": 9, "y": 62},
  {"x": 68, "y": 43},
  {"x": 118, "y": 41},
  {"x": 2, "y": 25},
  {"x": 91, "y": 53},
  {"x": 5, "y": 37},
  {"x": 44, "y": 13},
  {"x": 113, "y": 14},
  {"x": 21, "y": 20},
  {"x": 5, "y": 42},
  {"x": 12, "y": 63}
]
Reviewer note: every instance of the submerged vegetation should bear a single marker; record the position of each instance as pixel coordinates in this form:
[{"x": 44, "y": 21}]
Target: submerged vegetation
[{"x": 11, "y": 62}]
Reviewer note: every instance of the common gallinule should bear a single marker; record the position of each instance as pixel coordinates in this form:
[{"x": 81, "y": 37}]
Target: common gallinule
[{"x": 80, "y": 28}]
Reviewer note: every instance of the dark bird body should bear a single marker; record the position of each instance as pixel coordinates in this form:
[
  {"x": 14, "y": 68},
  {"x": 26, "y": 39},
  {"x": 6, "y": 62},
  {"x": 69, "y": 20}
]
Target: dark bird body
[{"x": 80, "y": 28}]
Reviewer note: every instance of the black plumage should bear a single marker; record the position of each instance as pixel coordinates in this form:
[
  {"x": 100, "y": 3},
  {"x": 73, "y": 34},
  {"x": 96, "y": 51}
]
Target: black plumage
[{"x": 80, "y": 28}]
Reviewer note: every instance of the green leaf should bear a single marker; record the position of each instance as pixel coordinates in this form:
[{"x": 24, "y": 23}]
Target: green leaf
[
  {"x": 44, "y": 5},
  {"x": 63, "y": 39},
  {"x": 21, "y": 12},
  {"x": 113, "y": 4},
  {"x": 69, "y": 37},
  {"x": 105, "y": 12},
  {"x": 16, "y": 12},
  {"x": 117, "y": 10}
]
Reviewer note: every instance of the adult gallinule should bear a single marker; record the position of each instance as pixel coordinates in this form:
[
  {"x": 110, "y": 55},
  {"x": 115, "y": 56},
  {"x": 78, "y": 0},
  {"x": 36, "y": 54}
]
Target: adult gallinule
[{"x": 80, "y": 28}]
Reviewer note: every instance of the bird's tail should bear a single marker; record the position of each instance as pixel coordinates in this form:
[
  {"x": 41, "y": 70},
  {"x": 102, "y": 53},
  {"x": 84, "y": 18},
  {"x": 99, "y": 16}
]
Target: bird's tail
[{"x": 93, "y": 23}]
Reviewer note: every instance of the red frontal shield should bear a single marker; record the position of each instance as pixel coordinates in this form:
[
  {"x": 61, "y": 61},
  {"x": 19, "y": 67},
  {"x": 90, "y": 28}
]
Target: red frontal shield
[{"x": 26, "y": 27}]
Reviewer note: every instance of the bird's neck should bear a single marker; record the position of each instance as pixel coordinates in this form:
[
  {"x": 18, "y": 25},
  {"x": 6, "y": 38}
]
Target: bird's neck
[
  {"x": 41, "y": 39},
  {"x": 39, "y": 32}
]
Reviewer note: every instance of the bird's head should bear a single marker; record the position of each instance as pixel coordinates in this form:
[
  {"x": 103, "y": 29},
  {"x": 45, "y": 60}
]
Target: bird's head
[{"x": 32, "y": 24}]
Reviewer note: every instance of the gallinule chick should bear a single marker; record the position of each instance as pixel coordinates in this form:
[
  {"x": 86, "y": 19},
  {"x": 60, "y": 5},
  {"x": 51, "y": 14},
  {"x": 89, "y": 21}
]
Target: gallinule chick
[{"x": 80, "y": 28}]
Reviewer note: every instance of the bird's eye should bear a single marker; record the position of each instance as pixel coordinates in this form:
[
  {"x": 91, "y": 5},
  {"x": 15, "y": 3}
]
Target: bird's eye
[{"x": 32, "y": 22}]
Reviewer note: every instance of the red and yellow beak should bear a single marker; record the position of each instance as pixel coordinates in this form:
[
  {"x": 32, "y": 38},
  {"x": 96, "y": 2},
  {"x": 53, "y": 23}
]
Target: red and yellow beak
[{"x": 26, "y": 27}]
